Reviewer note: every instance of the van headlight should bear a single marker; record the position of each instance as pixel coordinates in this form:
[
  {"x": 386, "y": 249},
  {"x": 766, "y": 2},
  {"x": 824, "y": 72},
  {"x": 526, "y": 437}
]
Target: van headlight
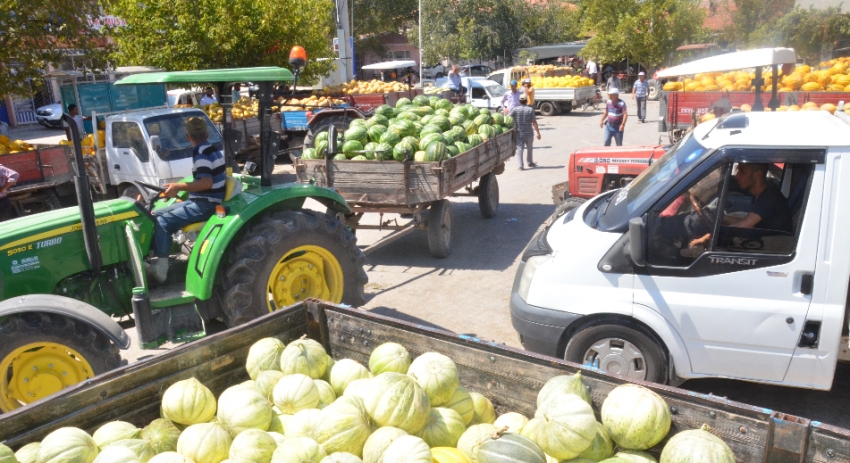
[{"x": 528, "y": 270}]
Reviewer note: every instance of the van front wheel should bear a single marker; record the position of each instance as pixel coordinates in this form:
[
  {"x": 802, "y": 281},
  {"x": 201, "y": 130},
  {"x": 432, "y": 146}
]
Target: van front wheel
[{"x": 621, "y": 348}]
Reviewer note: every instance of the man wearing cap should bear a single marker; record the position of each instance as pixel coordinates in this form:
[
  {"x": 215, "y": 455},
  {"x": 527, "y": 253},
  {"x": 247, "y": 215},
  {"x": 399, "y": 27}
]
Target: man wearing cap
[
  {"x": 205, "y": 192},
  {"x": 613, "y": 82},
  {"x": 525, "y": 121},
  {"x": 615, "y": 117},
  {"x": 510, "y": 99},
  {"x": 639, "y": 95},
  {"x": 528, "y": 91}
]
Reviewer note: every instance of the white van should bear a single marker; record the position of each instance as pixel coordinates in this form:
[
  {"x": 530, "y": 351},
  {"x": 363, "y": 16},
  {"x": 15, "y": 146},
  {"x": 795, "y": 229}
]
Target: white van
[
  {"x": 660, "y": 281},
  {"x": 481, "y": 92}
]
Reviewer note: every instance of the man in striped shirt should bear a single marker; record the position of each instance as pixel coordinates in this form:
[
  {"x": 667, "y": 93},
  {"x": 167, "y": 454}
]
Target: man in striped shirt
[{"x": 205, "y": 192}]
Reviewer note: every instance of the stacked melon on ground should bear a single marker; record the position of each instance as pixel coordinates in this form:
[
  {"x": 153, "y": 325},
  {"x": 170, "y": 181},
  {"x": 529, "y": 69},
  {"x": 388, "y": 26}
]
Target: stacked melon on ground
[
  {"x": 301, "y": 406},
  {"x": 423, "y": 130}
]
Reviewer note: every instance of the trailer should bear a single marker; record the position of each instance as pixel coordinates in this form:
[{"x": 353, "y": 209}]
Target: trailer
[
  {"x": 509, "y": 377},
  {"x": 412, "y": 188},
  {"x": 46, "y": 178}
]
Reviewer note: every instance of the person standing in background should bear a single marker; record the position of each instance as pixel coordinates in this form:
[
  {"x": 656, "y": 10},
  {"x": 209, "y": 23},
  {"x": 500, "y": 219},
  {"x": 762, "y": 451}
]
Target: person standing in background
[
  {"x": 525, "y": 120},
  {"x": 615, "y": 116},
  {"x": 8, "y": 178},
  {"x": 639, "y": 95},
  {"x": 613, "y": 82},
  {"x": 236, "y": 93},
  {"x": 208, "y": 97},
  {"x": 528, "y": 91},
  {"x": 510, "y": 99},
  {"x": 592, "y": 70},
  {"x": 74, "y": 112}
]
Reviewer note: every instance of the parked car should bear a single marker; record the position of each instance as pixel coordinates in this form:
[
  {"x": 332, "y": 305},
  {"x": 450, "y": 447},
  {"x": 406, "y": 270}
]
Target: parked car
[
  {"x": 475, "y": 70},
  {"x": 50, "y": 115}
]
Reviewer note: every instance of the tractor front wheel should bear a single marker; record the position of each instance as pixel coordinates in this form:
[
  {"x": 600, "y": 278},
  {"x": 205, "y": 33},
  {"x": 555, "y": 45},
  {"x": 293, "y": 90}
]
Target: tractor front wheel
[
  {"x": 41, "y": 354},
  {"x": 290, "y": 256}
]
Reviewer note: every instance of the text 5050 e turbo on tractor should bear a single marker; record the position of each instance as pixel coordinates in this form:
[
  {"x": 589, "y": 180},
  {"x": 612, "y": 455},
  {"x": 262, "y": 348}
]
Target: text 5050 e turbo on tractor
[{"x": 66, "y": 275}]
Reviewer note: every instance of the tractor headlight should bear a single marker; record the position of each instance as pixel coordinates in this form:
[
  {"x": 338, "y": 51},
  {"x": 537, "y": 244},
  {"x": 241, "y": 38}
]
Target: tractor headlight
[{"x": 528, "y": 270}]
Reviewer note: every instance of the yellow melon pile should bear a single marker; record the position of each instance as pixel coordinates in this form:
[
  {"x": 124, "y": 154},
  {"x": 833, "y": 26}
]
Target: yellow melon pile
[
  {"x": 561, "y": 82},
  {"x": 183, "y": 106},
  {"x": 360, "y": 87},
  {"x": 539, "y": 68},
  {"x": 833, "y": 76},
  {"x": 10, "y": 147},
  {"x": 245, "y": 108},
  {"x": 306, "y": 104}
]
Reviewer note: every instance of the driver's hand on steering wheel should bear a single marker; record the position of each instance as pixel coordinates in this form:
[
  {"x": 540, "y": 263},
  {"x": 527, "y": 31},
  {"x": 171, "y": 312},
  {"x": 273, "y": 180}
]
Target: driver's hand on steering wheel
[{"x": 171, "y": 190}]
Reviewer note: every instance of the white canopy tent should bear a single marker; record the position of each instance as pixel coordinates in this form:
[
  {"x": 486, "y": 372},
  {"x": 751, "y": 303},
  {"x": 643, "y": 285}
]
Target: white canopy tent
[{"x": 758, "y": 58}]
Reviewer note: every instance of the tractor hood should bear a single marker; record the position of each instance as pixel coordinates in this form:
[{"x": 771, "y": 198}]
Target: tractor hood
[{"x": 39, "y": 250}]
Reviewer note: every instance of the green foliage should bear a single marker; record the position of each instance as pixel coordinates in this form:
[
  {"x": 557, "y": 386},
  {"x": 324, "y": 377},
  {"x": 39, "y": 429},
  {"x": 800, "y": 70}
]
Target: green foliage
[
  {"x": 752, "y": 20},
  {"x": 643, "y": 31},
  {"x": 809, "y": 32},
  {"x": 489, "y": 29},
  {"x": 35, "y": 33},
  {"x": 372, "y": 18},
  {"x": 182, "y": 35}
]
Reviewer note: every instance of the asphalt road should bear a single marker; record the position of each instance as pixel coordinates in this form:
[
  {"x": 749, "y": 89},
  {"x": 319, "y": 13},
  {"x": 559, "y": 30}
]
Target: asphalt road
[{"x": 468, "y": 291}]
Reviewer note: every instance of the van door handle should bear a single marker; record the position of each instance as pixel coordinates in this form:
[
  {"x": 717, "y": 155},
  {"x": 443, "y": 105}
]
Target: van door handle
[
  {"x": 807, "y": 282},
  {"x": 116, "y": 167}
]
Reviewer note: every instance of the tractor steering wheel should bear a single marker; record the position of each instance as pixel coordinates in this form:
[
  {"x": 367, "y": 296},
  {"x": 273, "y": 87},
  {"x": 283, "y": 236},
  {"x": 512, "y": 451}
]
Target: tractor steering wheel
[{"x": 153, "y": 198}]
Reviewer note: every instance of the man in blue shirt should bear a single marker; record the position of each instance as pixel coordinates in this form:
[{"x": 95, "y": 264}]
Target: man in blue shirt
[
  {"x": 205, "y": 192},
  {"x": 615, "y": 117},
  {"x": 455, "y": 82},
  {"x": 639, "y": 95},
  {"x": 510, "y": 99}
]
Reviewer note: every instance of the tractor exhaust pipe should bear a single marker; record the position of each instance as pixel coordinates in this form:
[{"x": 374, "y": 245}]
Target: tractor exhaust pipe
[{"x": 84, "y": 199}]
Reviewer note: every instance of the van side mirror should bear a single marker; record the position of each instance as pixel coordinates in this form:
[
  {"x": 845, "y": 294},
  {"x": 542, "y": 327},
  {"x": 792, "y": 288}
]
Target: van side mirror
[
  {"x": 637, "y": 234},
  {"x": 156, "y": 144},
  {"x": 332, "y": 140}
]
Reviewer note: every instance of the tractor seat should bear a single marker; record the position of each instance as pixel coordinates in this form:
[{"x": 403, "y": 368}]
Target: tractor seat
[{"x": 232, "y": 187}]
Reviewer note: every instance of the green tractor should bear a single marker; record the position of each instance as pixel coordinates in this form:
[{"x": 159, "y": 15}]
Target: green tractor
[{"x": 67, "y": 275}]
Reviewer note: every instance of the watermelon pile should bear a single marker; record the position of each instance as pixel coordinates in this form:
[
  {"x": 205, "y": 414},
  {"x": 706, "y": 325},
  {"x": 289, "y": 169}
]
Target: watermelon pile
[
  {"x": 425, "y": 130},
  {"x": 302, "y": 406}
]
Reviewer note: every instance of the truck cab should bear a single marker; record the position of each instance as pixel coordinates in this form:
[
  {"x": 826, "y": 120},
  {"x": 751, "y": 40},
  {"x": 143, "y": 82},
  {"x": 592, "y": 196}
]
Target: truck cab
[
  {"x": 480, "y": 92},
  {"x": 149, "y": 146},
  {"x": 661, "y": 280}
]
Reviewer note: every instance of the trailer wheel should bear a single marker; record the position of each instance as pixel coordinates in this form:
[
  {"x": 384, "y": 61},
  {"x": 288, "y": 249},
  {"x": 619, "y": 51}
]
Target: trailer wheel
[
  {"x": 42, "y": 354},
  {"x": 440, "y": 229},
  {"x": 289, "y": 256},
  {"x": 653, "y": 90},
  {"x": 620, "y": 347},
  {"x": 547, "y": 109},
  {"x": 488, "y": 196}
]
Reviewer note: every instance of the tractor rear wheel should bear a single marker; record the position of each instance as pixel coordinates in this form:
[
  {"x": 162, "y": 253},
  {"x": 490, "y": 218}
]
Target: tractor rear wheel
[
  {"x": 42, "y": 354},
  {"x": 287, "y": 257}
]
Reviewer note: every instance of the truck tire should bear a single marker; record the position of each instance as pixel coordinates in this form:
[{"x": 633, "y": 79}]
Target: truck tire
[
  {"x": 440, "y": 229},
  {"x": 547, "y": 109},
  {"x": 44, "y": 353},
  {"x": 653, "y": 90},
  {"x": 488, "y": 196},
  {"x": 287, "y": 257},
  {"x": 620, "y": 347}
]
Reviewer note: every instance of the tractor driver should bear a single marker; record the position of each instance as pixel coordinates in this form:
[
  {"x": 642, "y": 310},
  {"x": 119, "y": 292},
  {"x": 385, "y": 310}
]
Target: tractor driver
[{"x": 205, "y": 192}]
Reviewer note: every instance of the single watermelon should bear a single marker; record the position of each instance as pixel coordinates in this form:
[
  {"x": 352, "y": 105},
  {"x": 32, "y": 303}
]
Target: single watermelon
[
  {"x": 470, "y": 127},
  {"x": 309, "y": 153},
  {"x": 375, "y": 132},
  {"x": 417, "y": 126},
  {"x": 430, "y": 128},
  {"x": 384, "y": 151},
  {"x": 391, "y": 137},
  {"x": 322, "y": 136},
  {"x": 487, "y": 132},
  {"x": 453, "y": 150},
  {"x": 403, "y": 149},
  {"x": 360, "y": 158},
  {"x": 436, "y": 152},
  {"x": 340, "y": 157},
  {"x": 351, "y": 147},
  {"x": 442, "y": 122},
  {"x": 356, "y": 133},
  {"x": 461, "y": 147},
  {"x": 421, "y": 111},
  {"x": 508, "y": 122},
  {"x": 432, "y": 101},
  {"x": 369, "y": 150},
  {"x": 431, "y": 138},
  {"x": 498, "y": 119},
  {"x": 456, "y": 120},
  {"x": 482, "y": 119},
  {"x": 408, "y": 128},
  {"x": 321, "y": 149},
  {"x": 442, "y": 112},
  {"x": 358, "y": 123},
  {"x": 484, "y": 111},
  {"x": 420, "y": 100},
  {"x": 378, "y": 119},
  {"x": 474, "y": 140},
  {"x": 426, "y": 119},
  {"x": 444, "y": 104},
  {"x": 449, "y": 136},
  {"x": 419, "y": 156},
  {"x": 385, "y": 110},
  {"x": 408, "y": 116},
  {"x": 402, "y": 102},
  {"x": 413, "y": 141},
  {"x": 459, "y": 133}
]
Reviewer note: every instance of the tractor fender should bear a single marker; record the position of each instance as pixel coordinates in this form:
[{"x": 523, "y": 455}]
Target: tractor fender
[
  {"x": 214, "y": 239},
  {"x": 351, "y": 113},
  {"x": 72, "y": 308}
]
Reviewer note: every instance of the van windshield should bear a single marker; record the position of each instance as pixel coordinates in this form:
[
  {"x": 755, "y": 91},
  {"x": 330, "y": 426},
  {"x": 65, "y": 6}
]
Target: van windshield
[
  {"x": 171, "y": 129},
  {"x": 495, "y": 91},
  {"x": 649, "y": 186}
]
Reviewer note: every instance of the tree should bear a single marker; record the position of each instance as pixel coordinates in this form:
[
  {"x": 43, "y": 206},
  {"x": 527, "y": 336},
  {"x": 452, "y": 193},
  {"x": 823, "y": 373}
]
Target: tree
[
  {"x": 374, "y": 18},
  {"x": 37, "y": 33},
  {"x": 748, "y": 17},
  {"x": 183, "y": 35},
  {"x": 809, "y": 32},
  {"x": 644, "y": 31}
]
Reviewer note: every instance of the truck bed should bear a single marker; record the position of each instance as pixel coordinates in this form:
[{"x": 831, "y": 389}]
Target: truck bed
[
  {"x": 46, "y": 165},
  {"x": 510, "y": 378},
  {"x": 392, "y": 183},
  {"x": 564, "y": 94}
]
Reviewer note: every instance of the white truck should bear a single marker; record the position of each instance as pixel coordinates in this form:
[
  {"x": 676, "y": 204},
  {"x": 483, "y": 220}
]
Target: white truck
[
  {"x": 480, "y": 92},
  {"x": 549, "y": 101},
  {"x": 147, "y": 146},
  {"x": 692, "y": 270}
]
